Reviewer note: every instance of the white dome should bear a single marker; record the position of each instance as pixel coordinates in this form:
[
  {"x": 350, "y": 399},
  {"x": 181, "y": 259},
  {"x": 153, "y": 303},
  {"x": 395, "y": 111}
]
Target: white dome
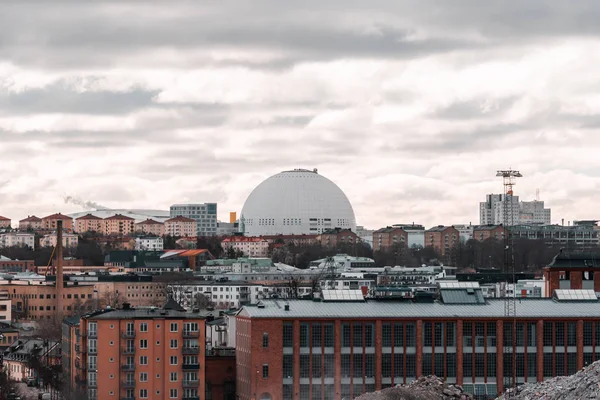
[{"x": 294, "y": 203}]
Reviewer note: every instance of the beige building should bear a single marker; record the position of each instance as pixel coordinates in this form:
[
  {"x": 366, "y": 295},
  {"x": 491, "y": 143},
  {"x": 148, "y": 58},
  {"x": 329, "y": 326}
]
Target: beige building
[
  {"x": 119, "y": 225},
  {"x": 69, "y": 240},
  {"x": 30, "y": 223},
  {"x": 89, "y": 223},
  {"x": 4, "y": 222},
  {"x": 5, "y": 306},
  {"x": 151, "y": 227},
  {"x": 180, "y": 226},
  {"x": 250, "y": 246},
  {"x": 15, "y": 239}
]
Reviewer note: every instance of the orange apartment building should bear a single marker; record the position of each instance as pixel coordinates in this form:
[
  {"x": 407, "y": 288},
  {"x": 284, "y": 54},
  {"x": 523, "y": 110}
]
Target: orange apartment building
[
  {"x": 32, "y": 223},
  {"x": 484, "y": 232},
  {"x": 68, "y": 240},
  {"x": 180, "y": 226},
  {"x": 89, "y": 223},
  {"x": 151, "y": 227},
  {"x": 120, "y": 225},
  {"x": 386, "y": 238},
  {"x": 442, "y": 238},
  {"x": 50, "y": 222},
  {"x": 4, "y": 222},
  {"x": 141, "y": 354}
]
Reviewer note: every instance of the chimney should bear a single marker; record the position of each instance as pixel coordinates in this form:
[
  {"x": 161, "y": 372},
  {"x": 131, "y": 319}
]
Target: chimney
[{"x": 59, "y": 270}]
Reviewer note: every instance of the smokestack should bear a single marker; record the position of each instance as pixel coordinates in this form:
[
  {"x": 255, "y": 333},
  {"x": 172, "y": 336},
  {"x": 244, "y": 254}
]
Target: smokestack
[{"x": 59, "y": 270}]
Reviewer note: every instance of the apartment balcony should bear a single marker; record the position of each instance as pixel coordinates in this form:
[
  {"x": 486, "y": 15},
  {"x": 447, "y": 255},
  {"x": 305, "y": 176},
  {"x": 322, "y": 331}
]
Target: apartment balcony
[
  {"x": 92, "y": 351},
  {"x": 190, "y": 367},
  {"x": 191, "y": 384},
  {"x": 128, "y": 335},
  {"x": 190, "y": 398},
  {"x": 92, "y": 335},
  {"x": 191, "y": 334},
  {"x": 128, "y": 367},
  {"x": 128, "y": 384},
  {"x": 191, "y": 350},
  {"x": 129, "y": 350}
]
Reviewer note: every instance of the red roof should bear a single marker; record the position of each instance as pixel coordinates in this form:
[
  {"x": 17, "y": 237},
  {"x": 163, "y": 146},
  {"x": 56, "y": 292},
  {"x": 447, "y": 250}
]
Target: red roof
[
  {"x": 180, "y": 219},
  {"x": 4, "y": 218},
  {"x": 88, "y": 216},
  {"x": 150, "y": 222},
  {"x": 57, "y": 216},
  {"x": 32, "y": 218},
  {"x": 243, "y": 239},
  {"x": 119, "y": 217}
]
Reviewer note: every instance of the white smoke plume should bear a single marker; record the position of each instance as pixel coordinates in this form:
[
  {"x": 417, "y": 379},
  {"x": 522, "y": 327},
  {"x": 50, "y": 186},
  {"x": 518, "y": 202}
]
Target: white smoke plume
[{"x": 85, "y": 204}]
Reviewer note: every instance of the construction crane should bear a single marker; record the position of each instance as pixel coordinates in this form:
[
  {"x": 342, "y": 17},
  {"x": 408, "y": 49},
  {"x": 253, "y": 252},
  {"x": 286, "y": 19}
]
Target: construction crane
[
  {"x": 510, "y": 305},
  {"x": 50, "y": 268}
]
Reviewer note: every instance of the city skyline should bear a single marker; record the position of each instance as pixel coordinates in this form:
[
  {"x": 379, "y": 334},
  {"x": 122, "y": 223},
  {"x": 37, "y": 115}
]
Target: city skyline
[{"x": 409, "y": 112}]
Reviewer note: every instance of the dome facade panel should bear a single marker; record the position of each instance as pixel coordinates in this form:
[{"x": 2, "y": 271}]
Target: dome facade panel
[{"x": 296, "y": 202}]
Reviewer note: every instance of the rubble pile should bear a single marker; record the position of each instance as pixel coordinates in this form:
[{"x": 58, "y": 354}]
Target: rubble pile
[
  {"x": 424, "y": 388},
  {"x": 585, "y": 384}
]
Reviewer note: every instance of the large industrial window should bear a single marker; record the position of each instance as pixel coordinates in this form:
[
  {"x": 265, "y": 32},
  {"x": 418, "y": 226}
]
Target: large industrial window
[
  {"x": 410, "y": 335},
  {"x": 329, "y": 365},
  {"x": 265, "y": 341},
  {"x": 329, "y": 335},
  {"x": 547, "y": 364},
  {"x": 386, "y": 335},
  {"x": 438, "y": 369},
  {"x": 427, "y": 365},
  {"x": 451, "y": 365},
  {"x": 467, "y": 366},
  {"x": 571, "y": 334},
  {"x": 547, "y": 336},
  {"x": 532, "y": 334},
  {"x": 369, "y": 336},
  {"x": 304, "y": 392},
  {"x": 571, "y": 363},
  {"x": 317, "y": 393},
  {"x": 369, "y": 365},
  {"x": 398, "y": 365},
  {"x": 398, "y": 335},
  {"x": 316, "y": 335},
  {"x": 288, "y": 335},
  {"x": 491, "y": 334},
  {"x": 288, "y": 366},
  {"x": 357, "y": 331},
  {"x": 426, "y": 337},
  {"x": 450, "y": 334},
  {"x": 560, "y": 364},
  {"x": 597, "y": 334},
  {"x": 386, "y": 365},
  {"x": 467, "y": 335},
  {"x": 479, "y": 334},
  {"x": 520, "y": 364},
  {"x": 491, "y": 365},
  {"x": 303, "y": 335},
  {"x": 411, "y": 366},
  {"x": 559, "y": 329},
  {"x": 357, "y": 365},
  {"x": 508, "y": 334},
  {"x": 479, "y": 365},
  {"x": 532, "y": 364},
  {"x": 304, "y": 366},
  {"x": 316, "y": 365},
  {"x": 345, "y": 335},
  {"x": 520, "y": 333},
  {"x": 587, "y": 333},
  {"x": 345, "y": 366}
]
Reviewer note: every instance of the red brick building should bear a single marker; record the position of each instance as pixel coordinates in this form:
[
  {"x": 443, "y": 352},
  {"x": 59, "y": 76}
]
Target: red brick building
[
  {"x": 442, "y": 238},
  {"x": 484, "y": 232},
  {"x": 334, "y": 350},
  {"x": 386, "y": 238},
  {"x": 8, "y": 265},
  {"x": 577, "y": 270},
  {"x": 336, "y": 237}
]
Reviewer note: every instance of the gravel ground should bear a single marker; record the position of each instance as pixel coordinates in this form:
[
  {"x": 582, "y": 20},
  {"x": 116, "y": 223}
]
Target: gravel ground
[
  {"x": 424, "y": 388},
  {"x": 585, "y": 384}
]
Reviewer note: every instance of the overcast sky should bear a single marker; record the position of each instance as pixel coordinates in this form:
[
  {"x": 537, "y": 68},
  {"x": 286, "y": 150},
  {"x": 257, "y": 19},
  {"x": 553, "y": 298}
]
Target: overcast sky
[{"x": 410, "y": 107}]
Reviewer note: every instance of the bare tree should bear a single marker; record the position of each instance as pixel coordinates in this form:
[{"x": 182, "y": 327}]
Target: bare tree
[
  {"x": 49, "y": 329},
  {"x": 201, "y": 301},
  {"x": 112, "y": 299}
]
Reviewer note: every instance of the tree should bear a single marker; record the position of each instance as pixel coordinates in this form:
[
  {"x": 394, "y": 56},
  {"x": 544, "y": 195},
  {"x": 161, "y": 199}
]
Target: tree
[
  {"x": 112, "y": 299},
  {"x": 201, "y": 301},
  {"x": 7, "y": 386},
  {"x": 212, "y": 244},
  {"x": 49, "y": 329}
]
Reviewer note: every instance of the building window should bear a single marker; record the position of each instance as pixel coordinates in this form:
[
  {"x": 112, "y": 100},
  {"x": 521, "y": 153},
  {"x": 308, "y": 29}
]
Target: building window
[
  {"x": 173, "y": 393},
  {"x": 173, "y": 344},
  {"x": 143, "y": 343},
  {"x": 173, "y": 360},
  {"x": 143, "y": 377},
  {"x": 265, "y": 341},
  {"x": 174, "y": 327},
  {"x": 173, "y": 377},
  {"x": 144, "y": 393},
  {"x": 265, "y": 371},
  {"x": 143, "y": 360},
  {"x": 143, "y": 327}
]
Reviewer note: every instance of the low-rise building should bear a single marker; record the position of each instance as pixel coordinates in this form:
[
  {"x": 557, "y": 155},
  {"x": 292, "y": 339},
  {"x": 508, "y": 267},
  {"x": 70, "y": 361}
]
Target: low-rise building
[
  {"x": 181, "y": 226},
  {"x": 31, "y": 223},
  {"x": 582, "y": 234},
  {"x": 89, "y": 223},
  {"x": 249, "y": 246},
  {"x": 119, "y": 225},
  {"x": 442, "y": 238},
  {"x": 415, "y": 234},
  {"x": 5, "y": 306},
  {"x": 297, "y": 240},
  {"x": 18, "y": 357},
  {"x": 465, "y": 231},
  {"x": 68, "y": 240},
  {"x": 338, "y": 237},
  {"x": 484, "y": 232},
  {"x": 387, "y": 238},
  {"x": 8, "y": 265},
  {"x": 49, "y": 222},
  {"x": 17, "y": 239},
  {"x": 149, "y": 243},
  {"x": 150, "y": 227},
  {"x": 4, "y": 222},
  {"x": 8, "y": 335}
]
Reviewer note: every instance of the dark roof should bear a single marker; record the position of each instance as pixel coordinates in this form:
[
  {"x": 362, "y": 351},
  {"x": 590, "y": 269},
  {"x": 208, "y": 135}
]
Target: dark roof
[
  {"x": 566, "y": 259},
  {"x": 389, "y": 229},
  {"x": 57, "y": 216},
  {"x": 73, "y": 321},
  {"x": 150, "y": 222},
  {"x": 134, "y": 313},
  {"x": 90, "y": 217},
  {"x": 439, "y": 228},
  {"x": 32, "y": 218},
  {"x": 462, "y": 296},
  {"x": 179, "y": 218},
  {"x": 488, "y": 227},
  {"x": 119, "y": 217},
  {"x": 171, "y": 304}
]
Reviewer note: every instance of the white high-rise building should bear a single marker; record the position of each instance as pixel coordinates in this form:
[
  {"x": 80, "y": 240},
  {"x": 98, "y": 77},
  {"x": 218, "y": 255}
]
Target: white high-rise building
[{"x": 491, "y": 211}]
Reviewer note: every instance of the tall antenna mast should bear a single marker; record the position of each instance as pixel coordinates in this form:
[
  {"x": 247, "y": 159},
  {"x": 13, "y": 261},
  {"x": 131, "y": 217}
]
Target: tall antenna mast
[{"x": 510, "y": 305}]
